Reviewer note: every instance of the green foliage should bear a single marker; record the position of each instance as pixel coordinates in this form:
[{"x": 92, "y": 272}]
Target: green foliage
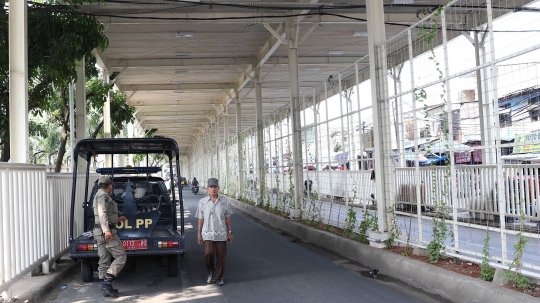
[
  {"x": 97, "y": 92},
  {"x": 436, "y": 248},
  {"x": 153, "y": 159},
  {"x": 314, "y": 213},
  {"x": 350, "y": 222},
  {"x": 394, "y": 230},
  {"x": 44, "y": 140},
  {"x": 241, "y": 146},
  {"x": 369, "y": 222},
  {"x": 514, "y": 269},
  {"x": 487, "y": 272},
  {"x": 57, "y": 39}
]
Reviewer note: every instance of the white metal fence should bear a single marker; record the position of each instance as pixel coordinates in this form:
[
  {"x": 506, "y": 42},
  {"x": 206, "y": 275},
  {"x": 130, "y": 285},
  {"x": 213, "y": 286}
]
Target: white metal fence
[
  {"x": 34, "y": 219},
  {"x": 473, "y": 63}
]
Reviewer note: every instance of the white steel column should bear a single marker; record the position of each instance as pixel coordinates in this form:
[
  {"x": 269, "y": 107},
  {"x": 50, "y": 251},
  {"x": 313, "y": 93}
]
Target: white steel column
[
  {"x": 450, "y": 128},
  {"x": 130, "y": 135},
  {"x": 360, "y": 133},
  {"x": 398, "y": 113},
  {"x": 479, "y": 87},
  {"x": 260, "y": 135},
  {"x": 107, "y": 117},
  {"x": 292, "y": 35},
  {"x": 218, "y": 162},
  {"x": 71, "y": 122},
  {"x": 330, "y": 171},
  {"x": 494, "y": 98},
  {"x": 344, "y": 152},
  {"x": 417, "y": 178},
  {"x": 122, "y": 158},
  {"x": 316, "y": 139},
  {"x": 239, "y": 143},
  {"x": 306, "y": 149},
  {"x": 18, "y": 82},
  {"x": 80, "y": 112},
  {"x": 378, "y": 75},
  {"x": 211, "y": 153},
  {"x": 226, "y": 138}
]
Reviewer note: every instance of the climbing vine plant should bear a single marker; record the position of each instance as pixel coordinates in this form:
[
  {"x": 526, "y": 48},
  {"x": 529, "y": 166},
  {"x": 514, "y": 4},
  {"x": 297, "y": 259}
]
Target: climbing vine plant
[
  {"x": 290, "y": 166},
  {"x": 241, "y": 145},
  {"x": 514, "y": 269},
  {"x": 436, "y": 247}
]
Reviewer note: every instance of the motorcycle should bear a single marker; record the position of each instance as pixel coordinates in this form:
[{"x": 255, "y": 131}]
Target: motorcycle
[{"x": 195, "y": 189}]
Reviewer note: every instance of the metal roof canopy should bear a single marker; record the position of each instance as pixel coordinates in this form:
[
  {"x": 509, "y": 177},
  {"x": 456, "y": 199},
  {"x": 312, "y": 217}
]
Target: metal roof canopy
[
  {"x": 89, "y": 147},
  {"x": 184, "y": 62}
]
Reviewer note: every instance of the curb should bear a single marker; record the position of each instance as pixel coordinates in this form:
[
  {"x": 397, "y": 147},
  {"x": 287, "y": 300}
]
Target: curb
[
  {"x": 430, "y": 278},
  {"x": 38, "y": 287}
]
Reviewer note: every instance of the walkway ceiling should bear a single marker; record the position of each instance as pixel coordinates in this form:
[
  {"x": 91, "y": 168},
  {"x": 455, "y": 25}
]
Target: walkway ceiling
[{"x": 179, "y": 69}]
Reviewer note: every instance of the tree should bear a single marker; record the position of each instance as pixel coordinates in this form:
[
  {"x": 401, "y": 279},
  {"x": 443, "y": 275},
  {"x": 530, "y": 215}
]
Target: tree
[
  {"x": 58, "y": 37},
  {"x": 44, "y": 140},
  {"x": 153, "y": 159},
  {"x": 97, "y": 92}
]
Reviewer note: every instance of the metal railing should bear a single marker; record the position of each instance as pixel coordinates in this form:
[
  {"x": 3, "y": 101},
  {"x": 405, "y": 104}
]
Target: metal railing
[
  {"x": 24, "y": 242},
  {"x": 34, "y": 216}
]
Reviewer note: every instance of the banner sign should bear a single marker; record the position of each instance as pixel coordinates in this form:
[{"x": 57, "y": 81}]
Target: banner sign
[{"x": 524, "y": 149}]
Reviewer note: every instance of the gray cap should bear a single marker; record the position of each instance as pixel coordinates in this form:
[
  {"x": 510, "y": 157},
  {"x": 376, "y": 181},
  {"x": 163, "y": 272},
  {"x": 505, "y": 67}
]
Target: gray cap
[
  {"x": 105, "y": 180},
  {"x": 213, "y": 182}
]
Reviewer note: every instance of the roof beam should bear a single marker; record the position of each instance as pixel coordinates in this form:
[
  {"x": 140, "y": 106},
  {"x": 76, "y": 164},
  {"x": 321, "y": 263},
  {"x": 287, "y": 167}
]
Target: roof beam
[
  {"x": 223, "y": 62},
  {"x": 119, "y": 63},
  {"x": 185, "y": 86},
  {"x": 259, "y": 18},
  {"x": 273, "y": 32},
  {"x": 284, "y": 84}
]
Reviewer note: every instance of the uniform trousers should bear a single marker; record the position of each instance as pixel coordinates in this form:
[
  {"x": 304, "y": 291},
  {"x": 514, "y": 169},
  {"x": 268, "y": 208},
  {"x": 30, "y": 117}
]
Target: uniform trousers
[
  {"x": 217, "y": 250},
  {"x": 107, "y": 250}
]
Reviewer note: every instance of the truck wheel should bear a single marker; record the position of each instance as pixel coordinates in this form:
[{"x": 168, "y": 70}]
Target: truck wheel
[
  {"x": 172, "y": 265},
  {"x": 87, "y": 273}
]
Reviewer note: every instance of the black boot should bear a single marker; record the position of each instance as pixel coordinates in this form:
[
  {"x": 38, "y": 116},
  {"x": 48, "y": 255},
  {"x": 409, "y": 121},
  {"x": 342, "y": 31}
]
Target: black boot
[{"x": 106, "y": 286}]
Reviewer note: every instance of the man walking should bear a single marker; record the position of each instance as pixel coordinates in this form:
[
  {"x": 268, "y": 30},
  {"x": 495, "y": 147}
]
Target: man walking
[
  {"x": 214, "y": 229},
  {"x": 109, "y": 244}
]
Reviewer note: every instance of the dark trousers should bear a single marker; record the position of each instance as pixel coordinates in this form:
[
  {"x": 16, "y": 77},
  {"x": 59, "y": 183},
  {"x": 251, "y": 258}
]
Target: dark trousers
[{"x": 217, "y": 249}]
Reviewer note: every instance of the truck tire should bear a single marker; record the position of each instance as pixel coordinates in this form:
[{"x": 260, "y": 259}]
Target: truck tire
[
  {"x": 87, "y": 272},
  {"x": 172, "y": 265}
]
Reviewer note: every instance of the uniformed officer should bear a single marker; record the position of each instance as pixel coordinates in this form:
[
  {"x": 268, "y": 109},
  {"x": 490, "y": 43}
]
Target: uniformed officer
[{"x": 109, "y": 244}]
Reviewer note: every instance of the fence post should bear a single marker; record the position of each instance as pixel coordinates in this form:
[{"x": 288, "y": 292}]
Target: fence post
[{"x": 378, "y": 75}]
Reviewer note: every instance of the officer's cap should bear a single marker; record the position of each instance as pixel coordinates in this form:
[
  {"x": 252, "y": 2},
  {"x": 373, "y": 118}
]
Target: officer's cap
[{"x": 105, "y": 181}]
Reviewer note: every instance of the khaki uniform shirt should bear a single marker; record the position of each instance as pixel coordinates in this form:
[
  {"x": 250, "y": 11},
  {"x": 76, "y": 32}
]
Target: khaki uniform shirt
[
  {"x": 214, "y": 214},
  {"x": 105, "y": 210}
]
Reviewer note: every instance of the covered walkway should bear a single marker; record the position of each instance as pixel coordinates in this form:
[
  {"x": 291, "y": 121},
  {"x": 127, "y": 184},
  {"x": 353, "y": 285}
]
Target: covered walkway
[{"x": 323, "y": 112}]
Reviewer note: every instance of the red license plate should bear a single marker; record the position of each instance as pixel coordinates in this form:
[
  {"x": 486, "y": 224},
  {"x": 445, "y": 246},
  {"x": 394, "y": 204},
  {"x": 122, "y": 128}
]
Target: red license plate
[{"x": 135, "y": 244}]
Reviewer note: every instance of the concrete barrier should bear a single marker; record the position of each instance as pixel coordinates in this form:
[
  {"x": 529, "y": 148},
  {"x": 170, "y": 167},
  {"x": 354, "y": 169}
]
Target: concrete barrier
[{"x": 433, "y": 279}]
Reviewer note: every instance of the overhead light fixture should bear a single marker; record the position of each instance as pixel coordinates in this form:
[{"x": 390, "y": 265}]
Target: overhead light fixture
[
  {"x": 180, "y": 71},
  {"x": 179, "y": 82},
  {"x": 313, "y": 69},
  {"x": 403, "y": 2},
  {"x": 335, "y": 52},
  {"x": 282, "y": 89},
  {"x": 178, "y": 91},
  {"x": 178, "y": 99},
  {"x": 183, "y": 54},
  {"x": 360, "y": 34},
  {"x": 184, "y": 35}
]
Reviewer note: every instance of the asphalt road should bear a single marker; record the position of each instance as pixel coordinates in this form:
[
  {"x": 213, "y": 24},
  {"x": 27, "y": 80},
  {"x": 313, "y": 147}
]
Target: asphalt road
[{"x": 263, "y": 265}]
